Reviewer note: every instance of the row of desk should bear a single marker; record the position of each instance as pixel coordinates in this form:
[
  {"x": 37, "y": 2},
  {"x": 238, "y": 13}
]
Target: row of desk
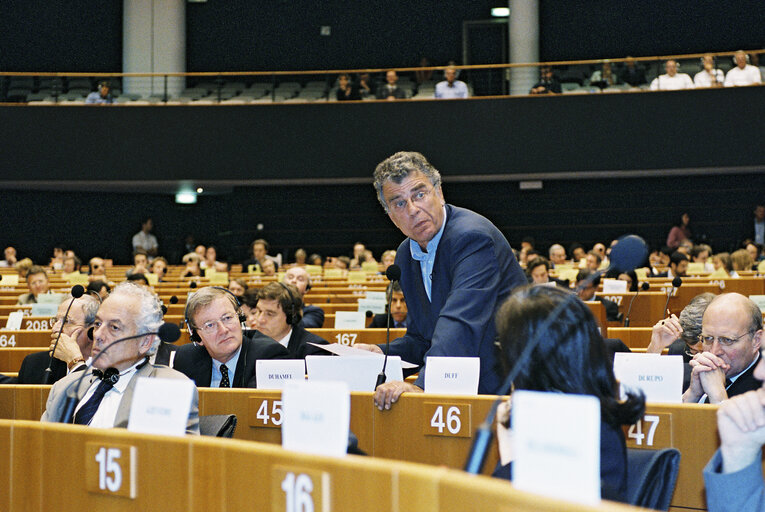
[{"x": 405, "y": 433}]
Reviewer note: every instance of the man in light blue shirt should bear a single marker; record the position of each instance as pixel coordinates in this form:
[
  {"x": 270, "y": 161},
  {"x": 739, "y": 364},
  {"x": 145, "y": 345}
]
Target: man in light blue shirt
[{"x": 451, "y": 88}]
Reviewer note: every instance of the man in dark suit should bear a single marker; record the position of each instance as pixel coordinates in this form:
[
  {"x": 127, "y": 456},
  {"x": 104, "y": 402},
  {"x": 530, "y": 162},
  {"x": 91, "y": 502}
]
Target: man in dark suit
[
  {"x": 278, "y": 316},
  {"x": 131, "y": 311},
  {"x": 73, "y": 346},
  {"x": 313, "y": 316},
  {"x": 588, "y": 293},
  {"x": 456, "y": 270},
  {"x": 398, "y": 309},
  {"x": 731, "y": 337},
  {"x": 221, "y": 355}
]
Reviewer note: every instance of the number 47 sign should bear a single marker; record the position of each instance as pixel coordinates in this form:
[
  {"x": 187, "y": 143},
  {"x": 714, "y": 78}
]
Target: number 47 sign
[{"x": 653, "y": 431}]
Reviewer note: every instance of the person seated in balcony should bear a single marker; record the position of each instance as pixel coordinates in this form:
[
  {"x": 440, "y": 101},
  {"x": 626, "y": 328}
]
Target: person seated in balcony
[
  {"x": 347, "y": 90},
  {"x": 632, "y": 73},
  {"x": 548, "y": 83},
  {"x": 102, "y": 96},
  {"x": 451, "y": 88},
  {"x": 390, "y": 90},
  {"x": 709, "y": 76},
  {"x": 671, "y": 80},
  {"x": 743, "y": 73}
]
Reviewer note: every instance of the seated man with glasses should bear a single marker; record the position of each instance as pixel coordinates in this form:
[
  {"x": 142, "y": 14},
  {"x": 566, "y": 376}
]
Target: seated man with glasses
[
  {"x": 731, "y": 334},
  {"x": 680, "y": 335},
  {"x": 222, "y": 355},
  {"x": 73, "y": 346}
]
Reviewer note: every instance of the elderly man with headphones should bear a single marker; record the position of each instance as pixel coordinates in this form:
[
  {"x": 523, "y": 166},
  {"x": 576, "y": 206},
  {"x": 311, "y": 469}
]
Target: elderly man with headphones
[
  {"x": 222, "y": 355},
  {"x": 278, "y": 314}
]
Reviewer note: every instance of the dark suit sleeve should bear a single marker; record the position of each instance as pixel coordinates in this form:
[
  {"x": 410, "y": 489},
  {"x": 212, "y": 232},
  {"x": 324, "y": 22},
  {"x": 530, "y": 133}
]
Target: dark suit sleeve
[
  {"x": 380, "y": 322},
  {"x": 4, "y": 379},
  {"x": 313, "y": 316},
  {"x": 469, "y": 308}
]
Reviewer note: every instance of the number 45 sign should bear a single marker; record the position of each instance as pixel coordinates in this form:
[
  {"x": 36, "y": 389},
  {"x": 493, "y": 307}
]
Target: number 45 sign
[{"x": 111, "y": 469}]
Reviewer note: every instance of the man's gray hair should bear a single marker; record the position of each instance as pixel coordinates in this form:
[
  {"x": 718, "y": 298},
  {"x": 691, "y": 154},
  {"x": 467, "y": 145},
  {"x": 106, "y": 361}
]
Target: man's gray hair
[
  {"x": 691, "y": 315},
  {"x": 398, "y": 166},
  {"x": 150, "y": 313}
]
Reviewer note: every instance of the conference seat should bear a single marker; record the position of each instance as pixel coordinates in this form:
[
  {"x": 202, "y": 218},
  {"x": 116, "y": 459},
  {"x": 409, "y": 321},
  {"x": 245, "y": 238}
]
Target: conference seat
[
  {"x": 217, "y": 425},
  {"x": 652, "y": 475}
]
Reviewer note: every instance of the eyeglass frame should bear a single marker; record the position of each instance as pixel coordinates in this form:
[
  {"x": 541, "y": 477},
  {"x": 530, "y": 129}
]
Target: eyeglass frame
[
  {"x": 728, "y": 341},
  {"x": 228, "y": 320}
]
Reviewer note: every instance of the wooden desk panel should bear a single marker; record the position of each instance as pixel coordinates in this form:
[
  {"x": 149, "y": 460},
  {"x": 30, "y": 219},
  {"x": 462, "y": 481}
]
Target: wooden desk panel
[
  {"x": 352, "y": 336},
  {"x": 646, "y": 310},
  {"x": 198, "y": 474},
  {"x": 633, "y": 337}
]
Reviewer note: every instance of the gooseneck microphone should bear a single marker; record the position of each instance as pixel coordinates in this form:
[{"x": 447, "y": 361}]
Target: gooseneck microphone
[
  {"x": 626, "y": 255},
  {"x": 393, "y": 273},
  {"x": 676, "y": 282},
  {"x": 644, "y": 287},
  {"x": 167, "y": 332},
  {"x": 77, "y": 292}
]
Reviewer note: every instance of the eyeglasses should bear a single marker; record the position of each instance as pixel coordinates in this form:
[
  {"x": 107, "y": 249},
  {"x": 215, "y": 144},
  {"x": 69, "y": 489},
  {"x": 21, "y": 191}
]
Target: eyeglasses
[
  {"x": 64, "y": 319},
  {"x": 722, "y": 340},
  {"x": 212, "y": 326}
]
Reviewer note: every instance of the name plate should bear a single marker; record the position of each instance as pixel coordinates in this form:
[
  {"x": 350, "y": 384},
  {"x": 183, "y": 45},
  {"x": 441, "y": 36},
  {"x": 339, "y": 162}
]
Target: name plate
[
  {"x": 274, "y": 373},
  {"x": 46, "y": 310},
  {"x": 111, "y": 469},
  {"x": 9, "y": 279},
  {"x": 452, "y": 375},
  {"x": 265, "y": 412},
  {"x": 358, "y": 372},
  {"x": 14, "y": 321},
  {"x": 653, "y": 431},
  {"x": 350, "y": 320},
  {"x": 556, "y": 445},
  {"x": 614, "y": 286},
  {"x": 447, "y": 419},
  {"x": 376, "y": 296},
  {"x": 317, "y": 417},
  {"x": 376, "y": 306},
  {"x": 660, "y": 377},
  {"x": 161, "y": 406},
  {"x": 299, "y": 490}
]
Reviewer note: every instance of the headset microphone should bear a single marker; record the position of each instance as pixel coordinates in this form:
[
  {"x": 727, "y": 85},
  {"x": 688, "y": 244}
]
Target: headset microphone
[
  {"x": 393, "y": 273},
  {"x": 77, "y": 292},
  {"x": 169, "y": 333}
]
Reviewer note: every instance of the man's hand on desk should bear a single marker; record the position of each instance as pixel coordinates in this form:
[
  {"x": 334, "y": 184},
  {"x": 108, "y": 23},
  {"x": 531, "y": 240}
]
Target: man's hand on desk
[
  {"x": 370, "y": 348},
  {"x": 388, "y": 393}
]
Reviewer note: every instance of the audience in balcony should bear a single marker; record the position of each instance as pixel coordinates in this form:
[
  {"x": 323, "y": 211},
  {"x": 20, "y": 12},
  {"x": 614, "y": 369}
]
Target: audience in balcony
[
  {"x": 548, "y": 83},
  {"x": 347, "y": 90},
  {"x": 632, "y": 73},
  {"x": 102, "y": 96},
  {"x": 451, "y": 88}
]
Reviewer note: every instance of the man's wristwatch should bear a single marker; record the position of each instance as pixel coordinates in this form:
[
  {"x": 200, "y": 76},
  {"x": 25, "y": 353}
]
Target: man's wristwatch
[{"x": 74, "y": 362}]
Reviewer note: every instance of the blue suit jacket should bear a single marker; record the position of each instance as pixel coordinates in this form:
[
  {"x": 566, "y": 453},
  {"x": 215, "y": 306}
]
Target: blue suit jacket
[{"x": 474, "y": 272}]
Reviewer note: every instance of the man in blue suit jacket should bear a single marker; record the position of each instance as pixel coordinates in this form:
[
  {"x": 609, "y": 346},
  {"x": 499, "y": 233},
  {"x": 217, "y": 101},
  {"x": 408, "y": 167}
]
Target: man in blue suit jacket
[{"x": 456, "y": 270}]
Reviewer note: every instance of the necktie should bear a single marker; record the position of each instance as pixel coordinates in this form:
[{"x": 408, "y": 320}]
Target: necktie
[
  {"x": 224, "y": 383},
  {"x": 88, "y": 410}
]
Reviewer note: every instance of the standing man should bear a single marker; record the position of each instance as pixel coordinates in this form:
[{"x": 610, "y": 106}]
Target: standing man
[
  {"x": 313, "y": 316},
  {"x": 451, "y": 88},
  {"x": 277, "y": 314},
  {"x": 456, "y": 270},
  {"x": 221, "y": 356},
  {"x": 105, "y": 402},
  {"x": 144, "y": 240}
]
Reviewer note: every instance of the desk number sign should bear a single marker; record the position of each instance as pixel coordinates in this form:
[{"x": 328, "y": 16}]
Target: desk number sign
[
  {"x": 299, "y": 490},
  {"x": 111, "y": 469}
]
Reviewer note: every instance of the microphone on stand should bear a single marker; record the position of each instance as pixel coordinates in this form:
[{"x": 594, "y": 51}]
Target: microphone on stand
[
  {"x": 626, "y": 255},
  {"x": 644, "y": 287},
  {"x": 393, "y": 273},
  {"x": 77, "y": 292},
  {"x": 676, "y": 282},
  {"x": 167, "y": 332}
]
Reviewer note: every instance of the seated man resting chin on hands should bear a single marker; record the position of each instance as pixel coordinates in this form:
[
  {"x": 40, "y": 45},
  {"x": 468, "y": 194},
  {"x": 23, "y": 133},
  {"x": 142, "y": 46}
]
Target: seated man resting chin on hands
[{"x": 731, "y": 335}]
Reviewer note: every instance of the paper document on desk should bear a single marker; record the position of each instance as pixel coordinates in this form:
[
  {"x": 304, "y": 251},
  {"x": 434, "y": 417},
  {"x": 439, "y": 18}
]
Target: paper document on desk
[{"x": 344, "y": 350}]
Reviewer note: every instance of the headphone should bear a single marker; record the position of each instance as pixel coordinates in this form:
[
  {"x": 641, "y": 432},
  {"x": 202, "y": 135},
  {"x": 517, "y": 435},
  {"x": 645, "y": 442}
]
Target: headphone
[
  {"x": 293, "y": 317},
  {"x": 193, "y": 334}
]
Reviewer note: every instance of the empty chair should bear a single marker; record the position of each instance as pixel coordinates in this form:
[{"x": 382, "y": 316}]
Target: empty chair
[
  {"x": 652, "y": 475},
  {"x": 217, "y": 425}
]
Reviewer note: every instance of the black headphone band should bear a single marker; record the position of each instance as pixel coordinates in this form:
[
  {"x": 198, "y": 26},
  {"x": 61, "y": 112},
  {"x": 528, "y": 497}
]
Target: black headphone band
[
  {"x": 292, "y": 316},
  {"x": 193, "y": 334}
]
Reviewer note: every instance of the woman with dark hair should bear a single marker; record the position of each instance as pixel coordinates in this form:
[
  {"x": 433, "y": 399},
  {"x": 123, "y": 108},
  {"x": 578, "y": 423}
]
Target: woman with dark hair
[
  {"x": 679, "y": 232},
  {"x": 570, "y": 357},
  {"x": 632, "y": 280}
]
